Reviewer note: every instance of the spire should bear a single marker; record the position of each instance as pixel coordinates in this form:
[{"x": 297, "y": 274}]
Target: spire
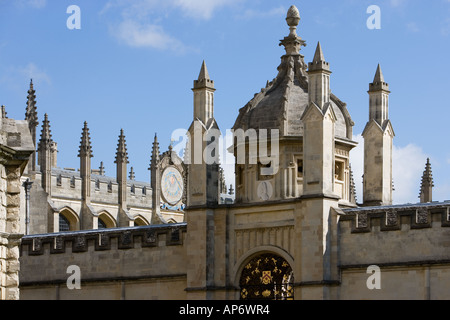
[
  {"x": 426, "y": 188},
  {"x": 378, "y": 75},
  {"x": 155, "y": 153},
  {"x": 45, "y": 148},
  {"x": 319, "y": 63},
  {"x": 378, "y": 83},
  {"x": 318, "y": 56},
  {"x": 85, "y": 144},
  {"x": 46, "y": 136},
  {"x": 203, "y": 72},
  {"x": 31, "y": 111},
  {"x": 121, "y": 154},
  {"x": 203, "y": 81}
]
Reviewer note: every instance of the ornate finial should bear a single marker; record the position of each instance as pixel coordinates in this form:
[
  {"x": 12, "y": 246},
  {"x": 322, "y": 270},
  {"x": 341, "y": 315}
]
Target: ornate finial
[
  {"x": 85, "y": 144},
  {"x": 293, "y": 42},
  {"x": 121, "y": 154},
  {"x": 46, "y": 136},
  {"x": 426, "y": 187},
  {"x": 155, "y": 159},
  {"x": 31, "y": 111},
  {"x": 292, "y": 19}
]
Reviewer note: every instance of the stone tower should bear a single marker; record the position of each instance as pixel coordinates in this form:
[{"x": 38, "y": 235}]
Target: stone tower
[
  {"x": 378, "y": 138},
  {"x": 280, "y": 114},
  {"x": 426, "y": 187},
  {"x": 203, "y": 147},
  {"x": 202, "y": 189},
  {"x": 319, "y": 122}
]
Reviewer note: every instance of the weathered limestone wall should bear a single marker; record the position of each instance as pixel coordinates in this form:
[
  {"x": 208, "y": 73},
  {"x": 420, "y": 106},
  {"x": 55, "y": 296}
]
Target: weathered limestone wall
[
  {"x": 410, "y": 245},
  {"x": 9, "y": 231},
  {"x": 128, "y": 263}
]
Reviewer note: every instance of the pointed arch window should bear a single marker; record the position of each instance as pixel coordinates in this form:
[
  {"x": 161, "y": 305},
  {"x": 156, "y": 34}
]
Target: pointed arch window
[{"x": 64, "y": 224}]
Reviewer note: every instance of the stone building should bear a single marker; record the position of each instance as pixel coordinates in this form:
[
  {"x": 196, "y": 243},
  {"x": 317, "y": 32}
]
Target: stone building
[
  {"x": 294, "y": 231},
  {"x": 16, "y": 147},
  {"x": 66, "y": 199}
]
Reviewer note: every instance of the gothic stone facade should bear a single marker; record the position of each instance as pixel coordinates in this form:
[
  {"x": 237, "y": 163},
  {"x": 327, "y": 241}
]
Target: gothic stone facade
[
  {"x": 16, "y": 146},
  {"x": 294, "y": 232}
]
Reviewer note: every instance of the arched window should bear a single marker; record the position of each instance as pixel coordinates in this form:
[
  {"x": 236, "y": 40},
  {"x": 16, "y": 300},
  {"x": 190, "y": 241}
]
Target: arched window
[
  {"x": 267, "y": 277},
  {"x": 140, "y": 221},
  {"x": 64, "y": 224},
  {"x": 101, "y": 224},
  {"x": 105, "y": 220},
  {"x": 68, "y": 220}
]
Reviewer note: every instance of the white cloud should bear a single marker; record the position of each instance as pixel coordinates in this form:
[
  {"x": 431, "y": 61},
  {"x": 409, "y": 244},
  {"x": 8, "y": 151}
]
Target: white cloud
[
  {"x": 140, "y": 35},
  {"x": 408, "y": 163},
  {"x": 31, "y": 71},
  {"x": 20, "y": 75},
  {"x": 135, "y": 30},
  {"x": 197, "y": 9},
  {"x": 201, "y": 9}
]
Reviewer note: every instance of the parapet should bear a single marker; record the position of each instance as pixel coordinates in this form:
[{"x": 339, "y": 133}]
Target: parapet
[
  {"x": 104, "y": 239},
  {"x": 391, "y": 218}
]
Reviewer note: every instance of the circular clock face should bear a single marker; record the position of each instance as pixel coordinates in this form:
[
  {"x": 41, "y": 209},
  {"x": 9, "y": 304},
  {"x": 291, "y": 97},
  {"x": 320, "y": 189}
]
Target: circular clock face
[{"x": 172, "y": 185}]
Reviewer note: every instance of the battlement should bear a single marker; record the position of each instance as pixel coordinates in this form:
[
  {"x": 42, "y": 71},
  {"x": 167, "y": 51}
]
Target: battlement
[
  {"x": 103, "y": 239},
  {"x": 391, "y": 218},
  {"x": 67, "y": 184}
]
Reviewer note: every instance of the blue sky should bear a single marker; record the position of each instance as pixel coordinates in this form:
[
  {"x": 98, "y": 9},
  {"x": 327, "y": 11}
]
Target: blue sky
[{"x": 132, "y": 64}]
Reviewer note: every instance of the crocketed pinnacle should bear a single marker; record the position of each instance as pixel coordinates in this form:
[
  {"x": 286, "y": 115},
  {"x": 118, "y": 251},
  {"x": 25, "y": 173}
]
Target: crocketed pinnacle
[
  {"x": 121, "y": 154},
  {"x": 85, "y": 144},
  {"x": 46, "y": 137},
  {"x": 155, "y": 153},
  {"x": 427, "y": 184},
  {"x": 31, "y": 111}
]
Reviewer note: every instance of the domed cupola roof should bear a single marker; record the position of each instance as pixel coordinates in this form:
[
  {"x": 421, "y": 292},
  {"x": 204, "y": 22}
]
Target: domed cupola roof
[{"x": 281, "y": 104}]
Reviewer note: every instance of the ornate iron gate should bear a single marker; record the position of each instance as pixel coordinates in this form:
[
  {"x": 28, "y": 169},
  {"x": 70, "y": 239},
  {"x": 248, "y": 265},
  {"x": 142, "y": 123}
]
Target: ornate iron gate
[{"x": 267, "y": 277}]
